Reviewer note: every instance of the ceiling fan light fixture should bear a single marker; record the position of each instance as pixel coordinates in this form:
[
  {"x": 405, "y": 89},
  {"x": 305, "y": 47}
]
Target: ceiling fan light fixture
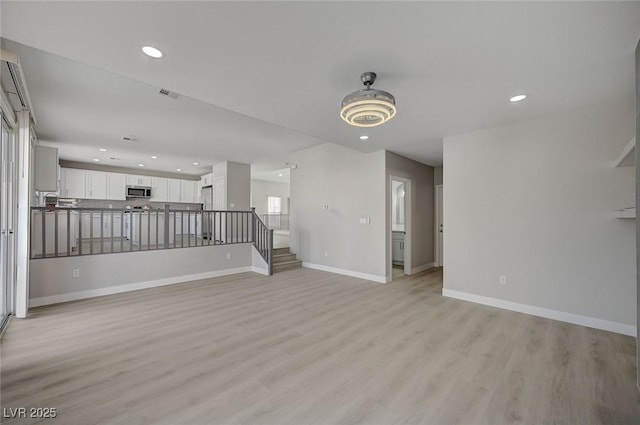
[{"x": 368, "y": 107}]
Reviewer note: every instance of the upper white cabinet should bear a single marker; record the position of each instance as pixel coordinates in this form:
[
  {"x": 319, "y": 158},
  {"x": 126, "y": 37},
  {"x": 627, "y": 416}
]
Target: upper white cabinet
[
  {"x": 90, "y": 184},
  {"x": 188, "y": 192},
  {"x": 46, "y": 169},
  {"x": 159, "y": 189},
  {"x": 72, "y": 183},
  {"x": 116, "y": 186},
  {"x": 96, "y": 185},
  {"x": 134, "y": 180},
  {"x": 173, "y": 190},
  {"x": 207, "y": 179}
]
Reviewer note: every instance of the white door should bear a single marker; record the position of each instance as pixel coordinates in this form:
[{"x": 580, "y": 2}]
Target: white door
[{"x": 439, "y": 227}]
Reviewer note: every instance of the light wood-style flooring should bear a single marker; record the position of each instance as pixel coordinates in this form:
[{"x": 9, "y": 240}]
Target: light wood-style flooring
[{"x": 310, "y": 347}]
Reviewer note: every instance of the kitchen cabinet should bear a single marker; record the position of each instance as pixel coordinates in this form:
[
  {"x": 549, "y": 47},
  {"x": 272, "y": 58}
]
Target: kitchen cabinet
[
  {"x": 207, "y": 179},
  {"x": 50, "y": 232},
  {"x": 188, "y": 192},
  {"x": 109, "y": 218},
  {"x": 46, "y": 169},
  {"x": 135, "y": 180},
  {"x": 174, "y": 187},
  {"x": 397, "y": 247},
  {"x": 159, "y": 189},
  {"x": 116, "y": 186},
  {"x": 90, "y": 222},
  {"x": 141, "y": 228},
  {"x": 96, "y": 184},
  {"x": 72, "y": 183}
]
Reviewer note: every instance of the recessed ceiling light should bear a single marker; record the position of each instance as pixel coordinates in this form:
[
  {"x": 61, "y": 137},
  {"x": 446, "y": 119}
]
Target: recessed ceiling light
[
  {"x": 96, "y": 159},
  {"x": 364, "y": 137},
  {"x": 102, "y": 150},
  {"x": 195, "y": 163},
  {"x": 178, "y": 169},
  {"x": 279, "y": 174},
  {"x": 140, "y": 165},
  {"x": 152, "y": 51},
  {"x": 154, "y": 157},
  {"x": 518, "y": 98}
]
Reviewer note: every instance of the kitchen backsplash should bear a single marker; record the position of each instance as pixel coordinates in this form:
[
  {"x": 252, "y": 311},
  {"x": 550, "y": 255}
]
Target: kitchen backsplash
[{"x": 97, "y": 203}]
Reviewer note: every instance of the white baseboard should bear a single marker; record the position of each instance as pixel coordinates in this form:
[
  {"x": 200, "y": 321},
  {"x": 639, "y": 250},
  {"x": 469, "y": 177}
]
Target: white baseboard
[
  {"x": 260, "y": 270},
  {"x": 561, "y": 316},
  {"x": 366, "y": 276},
  {"x": 422, "y": 268},
  {"x": 79, "y": 295}
]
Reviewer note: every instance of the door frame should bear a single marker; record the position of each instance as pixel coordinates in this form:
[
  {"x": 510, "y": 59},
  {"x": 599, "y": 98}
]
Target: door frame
[
  {"x": 407, "y": 224},
  {"x": 9, "y": 270},
  {"x": 439, "y": 255}
]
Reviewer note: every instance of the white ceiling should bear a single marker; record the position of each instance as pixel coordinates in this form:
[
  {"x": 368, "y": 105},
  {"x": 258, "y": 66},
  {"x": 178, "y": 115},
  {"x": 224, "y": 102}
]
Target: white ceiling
[
  {"x": 81, "y": 109},
  {"x": 278, "y": 176},
  {"x": 451, "y": 65}
]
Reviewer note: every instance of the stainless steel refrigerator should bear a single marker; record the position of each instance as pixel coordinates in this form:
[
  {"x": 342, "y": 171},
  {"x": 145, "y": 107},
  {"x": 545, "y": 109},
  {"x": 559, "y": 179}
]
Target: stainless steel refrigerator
[{"x": 206, "y": 198}]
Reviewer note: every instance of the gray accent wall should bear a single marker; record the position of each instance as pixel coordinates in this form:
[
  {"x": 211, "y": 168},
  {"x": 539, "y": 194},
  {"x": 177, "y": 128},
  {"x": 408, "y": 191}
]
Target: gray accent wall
[
  {"x": 352, "y": 186},
  {"x": 437, "y": 176},
  {"x": 422, "y": 207},
  {"x": 54, "y": 276},
  {"x": 535, "y": 202},
  {"x": 238, "y": 186}
]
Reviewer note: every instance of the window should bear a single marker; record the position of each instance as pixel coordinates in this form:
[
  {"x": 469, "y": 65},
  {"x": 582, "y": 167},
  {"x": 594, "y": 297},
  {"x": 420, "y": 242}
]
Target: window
[{"x": 274, "y": 205}]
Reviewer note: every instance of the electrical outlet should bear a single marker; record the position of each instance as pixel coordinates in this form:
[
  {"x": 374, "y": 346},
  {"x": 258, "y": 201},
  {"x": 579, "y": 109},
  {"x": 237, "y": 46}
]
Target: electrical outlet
[
  {"x": 76, "y": 272},
  {"x": 326, "y": 253},
  {"x": 228, "y": 256},
  {"x": 503, "y": 280}
]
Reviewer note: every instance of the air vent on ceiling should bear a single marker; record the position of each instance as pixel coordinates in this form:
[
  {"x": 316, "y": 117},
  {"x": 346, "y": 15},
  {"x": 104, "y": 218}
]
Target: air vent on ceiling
[
  {"x": 169, "y": 93},
  {"x": 113, "y": 158},
  {"x": 13, "y": 82},
  {"x": 130, "y": 138}
]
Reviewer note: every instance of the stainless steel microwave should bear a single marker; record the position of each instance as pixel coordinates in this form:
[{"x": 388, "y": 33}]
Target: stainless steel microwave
[{"x": 138, "y": 192}]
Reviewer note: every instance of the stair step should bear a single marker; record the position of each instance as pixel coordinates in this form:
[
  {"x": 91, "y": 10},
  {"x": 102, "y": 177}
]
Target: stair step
[
  {"x": 283, "y": 258},
  {"x": 278, "y": 251},
  {"x": 287, "y": 265}
]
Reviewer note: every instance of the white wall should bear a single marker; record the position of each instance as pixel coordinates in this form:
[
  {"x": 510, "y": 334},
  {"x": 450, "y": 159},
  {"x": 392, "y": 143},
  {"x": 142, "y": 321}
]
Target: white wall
[
  {"x": 534, "y": 201},
  {"x": 352, "y": 184},
  {"x": 238, "y": 181},
  {"x": 422, "y": 209},
  {"x": 262, "y": 189},
  {"x": 51, "y": 278}
]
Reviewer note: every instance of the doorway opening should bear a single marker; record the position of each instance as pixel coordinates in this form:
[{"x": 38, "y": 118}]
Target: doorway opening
[{"x": 400, "y": 237}]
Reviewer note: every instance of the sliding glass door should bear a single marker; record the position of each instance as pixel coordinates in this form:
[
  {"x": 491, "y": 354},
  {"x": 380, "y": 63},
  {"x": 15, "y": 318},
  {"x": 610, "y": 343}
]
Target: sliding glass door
[{"x": 8, "y": 204}]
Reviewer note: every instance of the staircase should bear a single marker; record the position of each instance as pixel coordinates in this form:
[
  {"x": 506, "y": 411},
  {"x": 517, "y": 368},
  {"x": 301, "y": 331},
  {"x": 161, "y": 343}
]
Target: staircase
[{"x": 284, "y": 260}]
